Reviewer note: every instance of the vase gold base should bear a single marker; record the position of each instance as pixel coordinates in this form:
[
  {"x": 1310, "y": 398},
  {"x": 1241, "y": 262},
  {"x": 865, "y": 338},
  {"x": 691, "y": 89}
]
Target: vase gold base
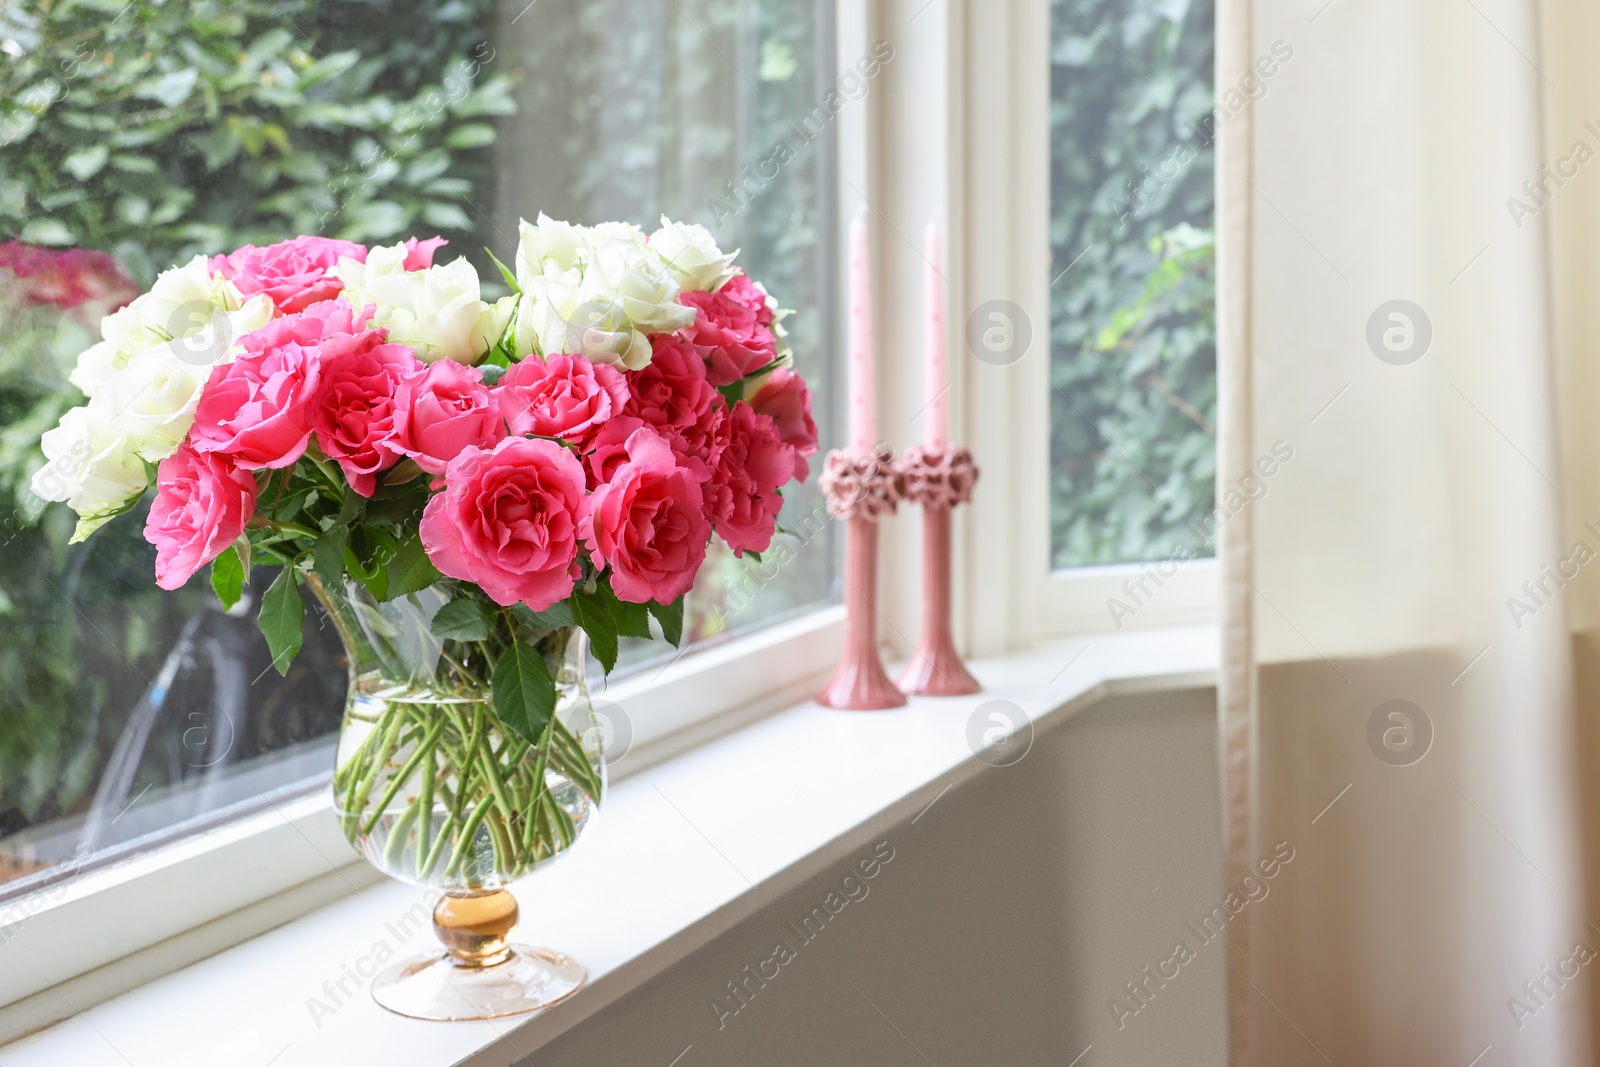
[{"x": 436, "y": 986}]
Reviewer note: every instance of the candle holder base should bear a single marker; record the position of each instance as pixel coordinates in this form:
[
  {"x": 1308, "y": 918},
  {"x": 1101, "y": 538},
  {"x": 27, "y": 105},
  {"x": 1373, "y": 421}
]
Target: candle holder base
[
  {"x": 861, "y": 684},
  {"x": 937, "y": 672}
]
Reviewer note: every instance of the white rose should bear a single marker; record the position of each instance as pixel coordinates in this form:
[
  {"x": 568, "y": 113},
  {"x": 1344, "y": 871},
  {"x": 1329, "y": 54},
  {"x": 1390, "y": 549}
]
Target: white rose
[
  {"x": 558, "y": 316},
  {"x": 187, "y": 305},
  {"x": 182, "y": 299},
  {"x": 95, "y": 364},
  {"x": 640, "y": 282},
  {"x": 625, "y": 232},
  {"x": 90, "y": 467},
  {"x": 546, "y": 248},
  {"x": 151, "y": 401},
  {"x": 691, "y": 253},
  {"x": 439, "y": 313}
]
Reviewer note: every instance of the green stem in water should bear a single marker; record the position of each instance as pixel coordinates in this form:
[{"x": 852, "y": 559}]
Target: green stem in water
[
  {"x": 424, "y": 749},
  {"x": 468, "y": 833},
  {"x": 424, "y": 808},
  {"x": 436, "y": 850},
  {"x": 537, "y": 787},
  {"x": 361, "y": 784},
  {"x": 497, "y": 786}
]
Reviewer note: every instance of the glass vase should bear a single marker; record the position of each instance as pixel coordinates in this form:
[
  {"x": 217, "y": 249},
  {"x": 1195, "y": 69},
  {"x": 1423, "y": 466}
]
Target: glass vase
[{"x": 433, "y": 789}]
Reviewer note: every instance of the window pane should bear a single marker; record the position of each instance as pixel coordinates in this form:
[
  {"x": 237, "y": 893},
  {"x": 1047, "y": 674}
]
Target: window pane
[
  {"x": 1132, "y": 295},
  {"x": 127, "y": 713},
  {"x": 632, "y": 109}
]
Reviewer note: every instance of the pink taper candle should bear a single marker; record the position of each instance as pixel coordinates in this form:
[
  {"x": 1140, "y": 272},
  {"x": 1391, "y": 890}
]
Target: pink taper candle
[
  {"x": 935, "y": 371},
  {"x": 935, "y": 668},
  {"x": 863, "y": 394}
]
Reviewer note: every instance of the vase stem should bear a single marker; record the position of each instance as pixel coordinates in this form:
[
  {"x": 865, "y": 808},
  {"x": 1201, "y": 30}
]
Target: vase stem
[{"x": 474, "y": 928}]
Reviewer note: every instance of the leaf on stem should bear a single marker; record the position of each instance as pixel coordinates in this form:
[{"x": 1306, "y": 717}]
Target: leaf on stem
[
  {"x": 282, "y": 612},
  {"x": 505, "y": 272},
  {"x": 411, "y": 570},
  {"x": 633, "y": 620},
  {"x": 552, "y": 618},
  {"x": 227, "y": 578},
  {"x": 463, "y": 619},
  {"x": 524, "y": 694},
  {"x": 327, "y": 555},
  {"x": 670, "y": 616},
  {"x": 591, "y": 612}
]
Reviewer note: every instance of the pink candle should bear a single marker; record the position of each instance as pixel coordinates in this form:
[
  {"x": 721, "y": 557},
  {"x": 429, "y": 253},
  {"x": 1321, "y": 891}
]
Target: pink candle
[
  {"x": 935, "y": 373},
  {"x": 863, "y": 398}
]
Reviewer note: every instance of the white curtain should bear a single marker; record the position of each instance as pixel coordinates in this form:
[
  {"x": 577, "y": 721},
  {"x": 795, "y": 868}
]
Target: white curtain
[{"x": 1408, "y": 670}]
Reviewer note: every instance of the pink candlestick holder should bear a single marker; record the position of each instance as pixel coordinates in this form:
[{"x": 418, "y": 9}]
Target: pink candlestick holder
[
  {"x": 861, "y": 487},
  {"x": 939, "y": 477}
]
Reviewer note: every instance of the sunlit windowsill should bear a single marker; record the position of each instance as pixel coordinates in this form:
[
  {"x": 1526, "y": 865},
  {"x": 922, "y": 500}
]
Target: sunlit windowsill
[{"x": 686, "y": 848}]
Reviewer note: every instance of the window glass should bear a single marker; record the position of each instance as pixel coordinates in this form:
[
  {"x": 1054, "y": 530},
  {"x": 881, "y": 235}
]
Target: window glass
[
  {"x": 1132, "y": 290},
  {"x": 132, "y": 139}
]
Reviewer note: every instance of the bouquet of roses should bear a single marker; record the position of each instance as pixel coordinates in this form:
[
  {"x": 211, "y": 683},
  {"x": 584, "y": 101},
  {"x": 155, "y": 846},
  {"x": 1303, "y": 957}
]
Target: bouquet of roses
[{"x": 552, "y": 461}]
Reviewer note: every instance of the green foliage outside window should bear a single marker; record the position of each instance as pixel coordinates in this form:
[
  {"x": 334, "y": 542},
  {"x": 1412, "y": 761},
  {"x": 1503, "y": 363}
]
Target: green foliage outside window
[{"x": 1133, "y": 339}]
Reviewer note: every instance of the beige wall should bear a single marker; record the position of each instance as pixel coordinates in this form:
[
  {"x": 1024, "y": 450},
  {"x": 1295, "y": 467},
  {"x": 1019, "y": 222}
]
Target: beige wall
[{"x": 1006, "y": 921}]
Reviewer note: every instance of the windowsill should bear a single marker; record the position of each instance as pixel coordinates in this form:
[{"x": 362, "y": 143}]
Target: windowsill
[{"x": 684, "y": 850}]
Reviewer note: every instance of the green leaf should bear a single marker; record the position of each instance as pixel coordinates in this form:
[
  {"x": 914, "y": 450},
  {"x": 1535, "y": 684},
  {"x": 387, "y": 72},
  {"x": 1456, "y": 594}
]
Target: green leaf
[
  {"x": 410, "y": 570},
  {"x": 282, "y": 613},
  {"x": 354, "y": 506},
  {"x": 446, "y": 216},
  {"x": 552, "y": 618},
  {"x": 471, "y": 135},
  {"x": 169, "y": 89},
  {"x": 670, "y": 616},
  {"x": 47, "y": 232},
  {"x": 463, "y": 619},
  {"x": 398, "y": 504},
  {"x": 633, "y": 620},
  {"x": 505, "y": 272},
  {"x": 227, "y": 578},
  {"x": 591, "y": 612},
  {"x": 524, "y": 695},
  {"x": 327, "y": 555},
  {"x": 85, "y": 163}
]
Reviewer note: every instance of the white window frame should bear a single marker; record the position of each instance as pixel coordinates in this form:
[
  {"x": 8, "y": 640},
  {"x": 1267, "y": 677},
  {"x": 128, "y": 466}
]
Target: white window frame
[
  {"x": 71, "y": 943},
  {"x": 999, "y": 153}
]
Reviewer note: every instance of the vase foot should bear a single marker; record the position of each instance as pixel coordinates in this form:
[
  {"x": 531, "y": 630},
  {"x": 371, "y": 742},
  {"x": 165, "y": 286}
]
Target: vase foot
[{"x": 435, "y": 986}]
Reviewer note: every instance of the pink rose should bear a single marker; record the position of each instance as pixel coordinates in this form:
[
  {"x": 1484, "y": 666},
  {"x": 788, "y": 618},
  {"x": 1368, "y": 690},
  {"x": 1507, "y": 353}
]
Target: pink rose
[
  {"x": 747, "y": 294},
  {"x": 784, "y": 397},
  {"x": 728, "y": 331},
  {"x": 609, "y": 450},
  {"x": 354, "y": 418},
  {"x": 443, "y": 409},
  {"x": 648, "y": 523},
  {"x": 259, "y": 408},
  {"x": 419, "y": 254},
  {"x": 743, "y": 494},
  {"x": 294, "y": 274},
  {"x": 508, "y": 521},
  {"x": 561, "y": 396},
  {"x": 673, "y": 395},
  {"x": 201, "y": 507}
]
